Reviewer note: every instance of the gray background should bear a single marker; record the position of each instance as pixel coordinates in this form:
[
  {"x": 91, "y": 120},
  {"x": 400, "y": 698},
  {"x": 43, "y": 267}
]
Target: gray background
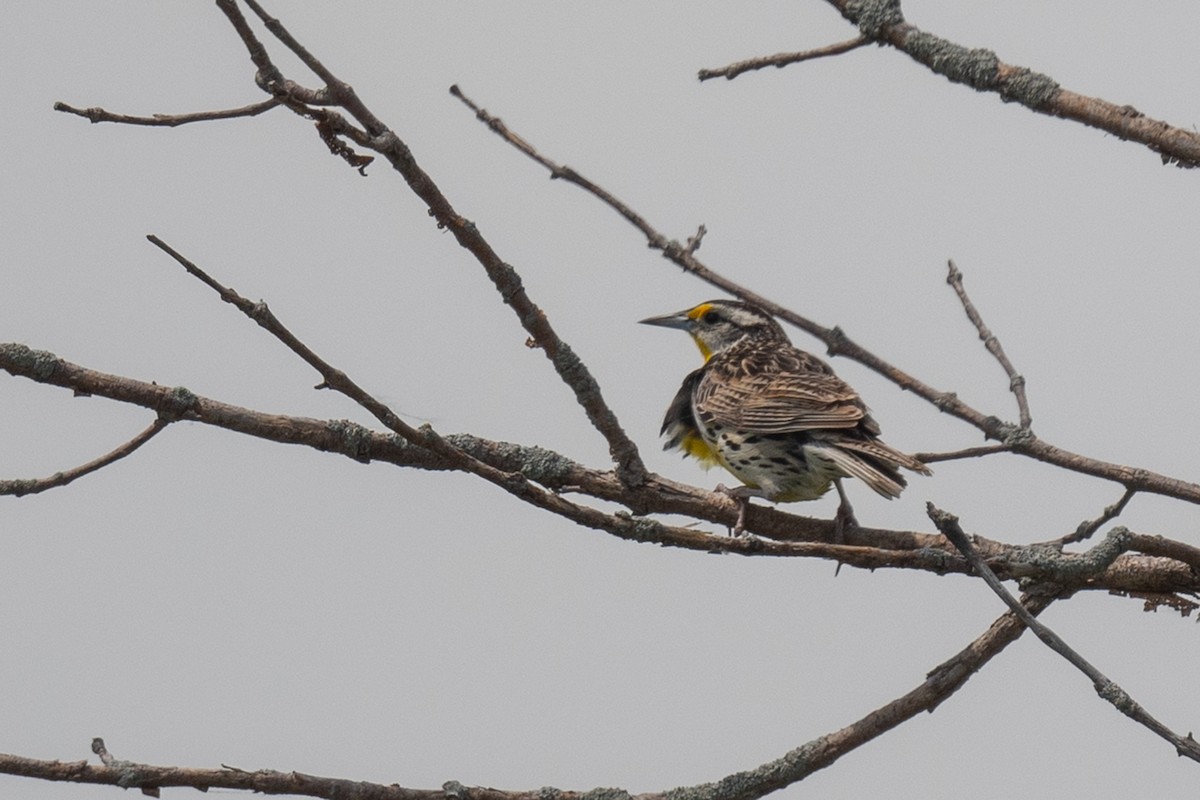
[{"x": 217, "y": 599}]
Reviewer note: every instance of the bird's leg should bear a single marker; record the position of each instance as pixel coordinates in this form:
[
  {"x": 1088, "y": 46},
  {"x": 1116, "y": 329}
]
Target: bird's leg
[
  {"x": 742, "y": 495},
  {"x": 844, "y": 519}
]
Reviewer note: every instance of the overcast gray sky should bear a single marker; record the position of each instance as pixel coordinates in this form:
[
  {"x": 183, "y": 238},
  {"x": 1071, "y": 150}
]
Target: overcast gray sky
[{"x": 216, "y": 599}]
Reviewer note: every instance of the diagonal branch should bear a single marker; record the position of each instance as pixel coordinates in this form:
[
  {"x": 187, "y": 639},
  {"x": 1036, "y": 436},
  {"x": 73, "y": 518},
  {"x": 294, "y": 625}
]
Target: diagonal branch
[
  {"x": 941, "y": 682},
  {"x": 1016, "y": 381},
  {"x": 1088, "y": 528},
  {"x": 1016, "y": 439},
  {"x": 425, "y": 437},
  {"x": 1108, "y": 690},
  {"x": 882, "y": 21},
  {"x": 379, "y": 137},
  {"x": 783, "y": 59},
  {"x": 18, "y": 487}
]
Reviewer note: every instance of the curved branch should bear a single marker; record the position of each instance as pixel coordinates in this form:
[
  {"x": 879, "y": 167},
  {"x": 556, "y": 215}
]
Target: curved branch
[{"x": 19, "y": 487}]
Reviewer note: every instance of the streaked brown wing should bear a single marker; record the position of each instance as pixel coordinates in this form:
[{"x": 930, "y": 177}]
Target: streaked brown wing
[{"x": 780, "y": 402}]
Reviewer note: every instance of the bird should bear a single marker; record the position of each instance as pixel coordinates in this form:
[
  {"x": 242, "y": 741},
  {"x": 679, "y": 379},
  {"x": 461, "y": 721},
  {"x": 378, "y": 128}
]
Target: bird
[{"x": 773, "y": 415}]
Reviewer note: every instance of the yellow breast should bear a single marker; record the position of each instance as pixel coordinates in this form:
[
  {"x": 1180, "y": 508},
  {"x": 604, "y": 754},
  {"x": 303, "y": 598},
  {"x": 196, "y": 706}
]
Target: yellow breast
[{"x": 694, "y": 445}]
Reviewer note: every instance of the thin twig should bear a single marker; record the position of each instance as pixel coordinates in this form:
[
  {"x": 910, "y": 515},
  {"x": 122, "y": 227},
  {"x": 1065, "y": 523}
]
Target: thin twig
[
  {"x": 967, "y": 452},
  {"x": 168, "y": 120},
  {"x": 1088, "y": 528},
  {"x": 564, "y": 172},
  {"x": 1108, "y": 690},
  {"x": 1016, "y": 381},
  {"x": 1019, "y": 440},
  {"x": 19, "y": 487},
  {"x": 783, "y": 59}
]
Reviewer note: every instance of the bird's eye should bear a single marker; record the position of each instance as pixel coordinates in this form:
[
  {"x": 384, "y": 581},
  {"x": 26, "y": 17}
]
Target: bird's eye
[{"x": 711, "y": 317}]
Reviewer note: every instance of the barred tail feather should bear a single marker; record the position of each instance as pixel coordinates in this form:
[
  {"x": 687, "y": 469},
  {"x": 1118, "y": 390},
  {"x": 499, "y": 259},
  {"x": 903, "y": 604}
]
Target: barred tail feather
[
  {"x": 880, "y": 476},
  {"x": 878, "y": 451}
]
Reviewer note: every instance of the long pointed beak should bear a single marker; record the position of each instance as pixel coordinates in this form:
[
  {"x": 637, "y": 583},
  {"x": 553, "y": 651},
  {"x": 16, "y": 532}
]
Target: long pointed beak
[{"x": 677, "y": 320}]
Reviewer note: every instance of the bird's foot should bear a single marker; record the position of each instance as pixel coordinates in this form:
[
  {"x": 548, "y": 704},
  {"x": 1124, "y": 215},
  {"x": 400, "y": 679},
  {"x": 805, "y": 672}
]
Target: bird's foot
[
  {"x": 742, "y": 495},
  {"x": 843, "y": 521}
]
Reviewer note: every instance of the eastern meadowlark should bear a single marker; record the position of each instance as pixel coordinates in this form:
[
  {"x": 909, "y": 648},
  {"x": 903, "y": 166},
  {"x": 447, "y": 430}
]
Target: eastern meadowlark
[{"x": 773, "y": 415}]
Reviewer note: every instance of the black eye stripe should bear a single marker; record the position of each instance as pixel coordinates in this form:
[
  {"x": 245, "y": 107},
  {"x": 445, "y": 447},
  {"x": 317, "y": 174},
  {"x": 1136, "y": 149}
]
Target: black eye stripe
[{"x": 711, "y": 317}]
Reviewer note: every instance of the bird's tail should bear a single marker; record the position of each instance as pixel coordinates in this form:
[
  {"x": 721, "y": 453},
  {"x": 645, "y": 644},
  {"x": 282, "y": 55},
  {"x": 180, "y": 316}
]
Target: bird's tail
[{"x": 874, "y": 463}]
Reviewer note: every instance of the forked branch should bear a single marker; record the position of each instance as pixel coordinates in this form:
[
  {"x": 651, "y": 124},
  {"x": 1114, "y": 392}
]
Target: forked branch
[
  {"x": 1107, "y": 689},
  {"x": 1016, "y": 381}
]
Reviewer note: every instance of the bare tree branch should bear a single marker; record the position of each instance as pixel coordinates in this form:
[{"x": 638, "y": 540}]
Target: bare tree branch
[
  {"x": 1015, "y": 438},
  {"x": 1108, "y": 690},
  {"x": 1016, "y": 381},
  {"x": 570, "y": 368},
  {"x": 882, "y": 21},
  {"x": 514, "y": 483},
  {"x": 1164, "y": 567},
  {"x": 19, "y": 487},
  {"x": 941, "y": 682},
  {"x": 1137, "y": 565},
  {"x": 168, "y": 120},
  {"x": 968, "y": 452},
  {"x": 1088, "y": 528},
  {"x": 783, "y": 59},
  {"x": 509, "y": 284}
]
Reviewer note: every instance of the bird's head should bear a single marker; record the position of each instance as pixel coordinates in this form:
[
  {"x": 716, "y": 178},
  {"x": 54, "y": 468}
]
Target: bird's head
[{"x": 719, "y": 324}]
